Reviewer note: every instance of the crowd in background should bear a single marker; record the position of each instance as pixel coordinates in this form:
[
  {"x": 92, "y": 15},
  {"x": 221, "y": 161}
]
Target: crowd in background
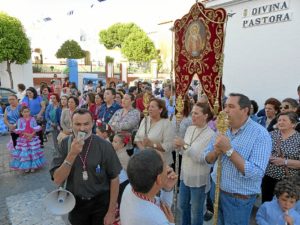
[{"x": 117, "y": 113}]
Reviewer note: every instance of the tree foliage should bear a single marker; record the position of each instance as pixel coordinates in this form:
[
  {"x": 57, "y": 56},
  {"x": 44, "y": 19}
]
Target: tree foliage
[
  {"x": 14, "y": 44},
  {"x": 116, "y": 34},
  {"x": 138, "y": 47},
  {"x": 70, "y": 50}
]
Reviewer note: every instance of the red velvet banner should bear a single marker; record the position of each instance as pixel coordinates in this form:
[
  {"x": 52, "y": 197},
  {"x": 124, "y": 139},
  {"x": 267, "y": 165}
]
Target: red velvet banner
[{"x": 199, "y": 37}]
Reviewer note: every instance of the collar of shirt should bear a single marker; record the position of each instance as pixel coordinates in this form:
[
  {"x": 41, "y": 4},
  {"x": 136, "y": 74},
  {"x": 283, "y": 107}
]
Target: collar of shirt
[{"x": 240, "y": 130}]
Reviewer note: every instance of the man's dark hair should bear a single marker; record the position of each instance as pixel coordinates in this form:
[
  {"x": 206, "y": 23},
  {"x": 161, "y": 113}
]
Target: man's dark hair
[
  {"x": 82, "y": 111},
  {"x": 112, "y": 90},
  {"x": 298, "y": 88},
  {"x": 287, "y": 185},
  {"x": 143, "y": 169},
  {"x": 132, "y": 89},
  {"x": 244, "y": 101},
  {"x": 147, "y": 84}
]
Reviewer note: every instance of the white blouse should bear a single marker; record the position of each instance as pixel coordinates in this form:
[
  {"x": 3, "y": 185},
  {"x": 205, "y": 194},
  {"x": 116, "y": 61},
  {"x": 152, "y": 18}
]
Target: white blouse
[
  {"x": 159, "y": 132},
  {"x": 194, "y": 170}
]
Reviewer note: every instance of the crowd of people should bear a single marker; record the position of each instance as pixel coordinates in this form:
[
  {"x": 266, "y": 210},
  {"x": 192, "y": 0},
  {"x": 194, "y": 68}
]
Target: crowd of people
[{"x": 122, "y": 170}]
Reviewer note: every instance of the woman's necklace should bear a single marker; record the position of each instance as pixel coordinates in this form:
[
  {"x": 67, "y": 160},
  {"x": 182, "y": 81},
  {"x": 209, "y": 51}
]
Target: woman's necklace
[
  {"x": 194, "y": 139},
  {"x": 152, "y": 124}
]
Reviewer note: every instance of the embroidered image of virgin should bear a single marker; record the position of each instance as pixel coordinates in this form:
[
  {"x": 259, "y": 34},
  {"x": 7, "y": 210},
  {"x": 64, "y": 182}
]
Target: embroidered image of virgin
[{"x": 195, "y": 38}]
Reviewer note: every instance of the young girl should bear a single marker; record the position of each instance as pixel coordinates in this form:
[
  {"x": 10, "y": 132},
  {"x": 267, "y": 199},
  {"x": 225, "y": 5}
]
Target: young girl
[
  {"x": 119, "y": 143},
  {"x": 103, "y": 130},
  {"x": 27, "y": 155}
]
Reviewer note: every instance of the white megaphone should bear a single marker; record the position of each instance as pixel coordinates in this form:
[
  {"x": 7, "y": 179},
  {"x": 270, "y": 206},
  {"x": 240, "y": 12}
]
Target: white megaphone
[{"x": 60, "y": 202}]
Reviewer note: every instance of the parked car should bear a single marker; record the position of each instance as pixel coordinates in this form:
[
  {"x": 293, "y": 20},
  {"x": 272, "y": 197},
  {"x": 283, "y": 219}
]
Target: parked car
[{"x": 4, "y": 93}]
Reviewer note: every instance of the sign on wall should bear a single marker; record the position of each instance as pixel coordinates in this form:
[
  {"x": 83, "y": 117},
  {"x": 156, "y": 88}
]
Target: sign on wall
[{"x": 270, "y": 13}]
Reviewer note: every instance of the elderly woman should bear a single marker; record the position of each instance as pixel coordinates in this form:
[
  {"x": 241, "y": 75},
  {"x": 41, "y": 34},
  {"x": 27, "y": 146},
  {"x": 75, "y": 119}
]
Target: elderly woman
[
  {"x": 156, "y": 131},
  {"x": 11, "y": 115},
  {"x": 127, "y": 118},
  {"x": 291, "y": 105},
  {"x": 195, "y": 173},
  {"x": 272, "y": 106},
  {"x": 285, "y": 158}
]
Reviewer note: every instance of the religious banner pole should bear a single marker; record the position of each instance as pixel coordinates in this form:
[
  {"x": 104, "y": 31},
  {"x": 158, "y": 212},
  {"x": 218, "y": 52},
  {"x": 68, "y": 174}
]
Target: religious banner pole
[
  {"x": 199, "y": 46},
  {"x": 222, "y": 126},
  {"x": 179, "y": 117},
  {"x": 146, "y": 102}
]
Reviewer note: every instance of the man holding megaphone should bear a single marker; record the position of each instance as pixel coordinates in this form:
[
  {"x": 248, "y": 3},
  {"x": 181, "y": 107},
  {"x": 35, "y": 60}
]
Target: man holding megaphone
[{"x": 91, "y": 168}]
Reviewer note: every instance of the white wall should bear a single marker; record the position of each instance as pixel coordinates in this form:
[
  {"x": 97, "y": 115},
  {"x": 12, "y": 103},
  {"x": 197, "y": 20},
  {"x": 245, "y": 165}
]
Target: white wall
[
  {"x": 262, "y": 61},
  {"x": 20, "y": 74}
]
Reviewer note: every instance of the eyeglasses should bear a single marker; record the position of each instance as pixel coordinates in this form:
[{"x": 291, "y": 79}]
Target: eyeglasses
[{"x": 285, "y": 107}]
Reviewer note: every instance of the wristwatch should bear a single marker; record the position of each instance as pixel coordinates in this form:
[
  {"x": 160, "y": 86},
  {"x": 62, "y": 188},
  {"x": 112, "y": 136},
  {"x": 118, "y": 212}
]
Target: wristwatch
[
  {"x": 229, "y": 152},
  {"x": 154, "y": 145}
]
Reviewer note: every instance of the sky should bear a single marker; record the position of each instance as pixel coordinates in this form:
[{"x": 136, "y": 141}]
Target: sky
[{"x": 88, "y": 20}]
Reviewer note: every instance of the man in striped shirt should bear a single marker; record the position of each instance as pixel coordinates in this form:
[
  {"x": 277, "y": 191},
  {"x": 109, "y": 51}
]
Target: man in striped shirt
[{"x": 245, "y": 150}]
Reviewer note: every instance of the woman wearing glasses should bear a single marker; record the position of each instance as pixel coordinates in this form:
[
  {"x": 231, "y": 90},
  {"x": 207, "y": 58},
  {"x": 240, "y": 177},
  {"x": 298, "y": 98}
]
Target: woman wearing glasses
[{"x": 291, "y": 105}]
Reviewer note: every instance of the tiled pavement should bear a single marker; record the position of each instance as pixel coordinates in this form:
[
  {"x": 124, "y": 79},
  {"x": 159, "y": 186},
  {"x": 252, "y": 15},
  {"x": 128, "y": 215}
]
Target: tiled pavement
[{"x": 21, "y": 195}]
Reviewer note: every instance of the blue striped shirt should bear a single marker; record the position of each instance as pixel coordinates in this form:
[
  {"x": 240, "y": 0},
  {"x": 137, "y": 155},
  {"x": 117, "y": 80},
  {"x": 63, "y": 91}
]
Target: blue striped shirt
[{"x": 253, "y": 143}]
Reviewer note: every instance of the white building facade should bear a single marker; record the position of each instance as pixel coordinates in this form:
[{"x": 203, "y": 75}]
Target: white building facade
[
  {"x": 20, "y": 73},
  {"x": 262, "y": 46}
]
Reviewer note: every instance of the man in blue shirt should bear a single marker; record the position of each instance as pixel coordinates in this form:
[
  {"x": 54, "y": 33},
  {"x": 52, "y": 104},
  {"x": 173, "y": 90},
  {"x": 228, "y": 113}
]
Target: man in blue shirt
[
  {"x": 109, "y": 107},
  {"x": 169, "y": 99},
  {"x": 245, "y": 151}
]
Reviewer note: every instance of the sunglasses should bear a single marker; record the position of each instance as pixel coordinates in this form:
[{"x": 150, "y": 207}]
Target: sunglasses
[{"x": 285, "y": 107}]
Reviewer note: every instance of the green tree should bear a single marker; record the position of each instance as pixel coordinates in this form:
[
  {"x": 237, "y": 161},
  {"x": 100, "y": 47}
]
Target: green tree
[
  {"x": 14, "y": 44},
  {"x": 138, "y": 47},
  {"x": 116, "y": 34},
  {"x": 70, "y": 50}
]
